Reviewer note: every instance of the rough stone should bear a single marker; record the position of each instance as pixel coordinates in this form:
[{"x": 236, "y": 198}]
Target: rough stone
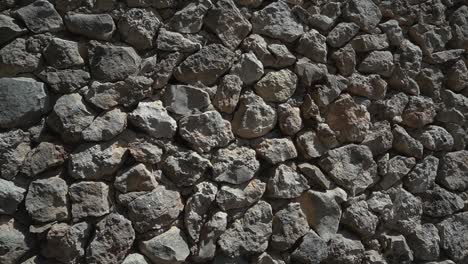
[
  {"x": 371, "y": 86},
  {"x": 14, "y": 147},
  {"x": 40, "y": 16},
  {"x": 234, "y": 165},
  {"x": 89, "y": 199},
  {"x": 15, "y": 59},
  {"x": 452, "y": 232},
  {"x": 46, "y": 200},
  {"x": 15, "y": 240},
  {"x": 10, "y": 196},
  {"x": 65, "y": 81},
  {"x": 396, "y": 168},
  {"x": 309, "y": 72},
  {"x": 197, "y": 207},
  {"x": 407, "y": 211},
  {"x": 289, "y": 225},
  {"x": 9, "y": 29},
  {"x": 164, "y": 69},
  {"x": 289, "y": 119},
  {"x": 106, "y": 126},
  {"x": 359, "y": 218},
  {"x": 249, "y": 68},
  {"x": 240, "y": 196},
  {"x": 453, "y": 171},
  {"x": 138, "y": 27},
  {"x": 276, "y": 150},
  {"x": 286, "y": 183},
  {"x": 168, "y": 247},
  {"x": 315, "y": 176},
  {"x": 135, "y": 258},
  {"x": 379, "y": 62},
  {"x": 396, "y": 248},
  {"x": 457, "y": 79},
  {"x": 379, "y": 138},
  {"x": 405, "y": 144},
  {"x": 185, "y": 168},
  {"x": 423, "y": 175},
  {"x": 228, "y": 93},
  {"x": 369, "y": 42},
  {"x": 344, "y": 248},
  {"x": 424, "y": 242},
  {"x": 419, "y": 112},
  {"x": 341, "y": 34},
  {"x": 345, "y": 60},
  {"x": 186, "y": 99},
  {"x": 210, "y": 234},
  {"x": 152, "y": 118},
  {"x": 440, "y": 202},
  {"x": 277, "y": 86},
  {"x": 312, "y": 250},
  {"x": 190, "y": 18},
  {"x": 313, "y": 45},
  {"x": 61, "y": 54},
  {"x": 93, "y": 26},
  {"x": 174, "y": 41},
  {"x": 45, "y": 156},
  {"x": 436, "y": 138},
  {"x": 135, "y": 179}
]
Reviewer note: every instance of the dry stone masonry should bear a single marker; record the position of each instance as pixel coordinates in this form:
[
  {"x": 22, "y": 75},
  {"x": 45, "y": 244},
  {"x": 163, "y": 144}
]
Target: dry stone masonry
[{"x": 233, "y": 131}]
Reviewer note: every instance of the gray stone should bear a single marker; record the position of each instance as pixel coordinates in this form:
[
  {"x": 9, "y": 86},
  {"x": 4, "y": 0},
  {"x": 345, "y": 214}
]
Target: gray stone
[
  {"x": 234, "y": 165},
  {"x": 40, "y": 16},
  {"x": 439, "y": 202},
  {"x": 65, "y": 81},
  {"x": 164, "y": 69},
  {"x": 272, "y": 55},
  {"x": 310, "y": 145},
  {"x": 436, "y": 138},
  {"x": 240, "y": 196},
  {"x": 174, "y": 41},
  {"x": 135, "y": 258},
  {"x": 10, "y": 196},
  {"x": 419, "y": 112},
  {"x": 9, "y": 29},
  {"x": 190, "y": 18},
  {"x": 185, "y": 168},
  {"x": 145, "y": 149},
  {"x": 392, "y": 107},
  {"x": 209, "y": 236},
  {"x": 70, "y": 116},
  {"x": 46, "y": 200},
  {"x": 106, "y": 126},
  {"x": 393, "y": 32},
  {"x": 351, "y": 167},
  {"x": 61, "y": 54},
  {"x": 249, "y": 234},
  {"x": 379, "y": 62},
  {"x": 396, "y": 168},
  {"x": 341, "y": 34},
  {"x": 112, "y": 240},
  {"x": 381, "y": 204},
  {"x": 66, "y": 243},
  {"x": 168, "y": 247},
  {"x": 96, "y": 161},
  {"x": 266, "y": 258},
  {"x": 24, "y": 101},
  {"x": 248, "y": 68},
  {"x": 453, "y": 171},
  {"x": 452, "y": 232},
  {"x": 430, "y": 38},
  {"x": 159, "y": 4},
  {"x": 186, "y": 99},
  {"x": 396, "y": 249},
  {"x": 228, "y": 93},
  {"x": 138, "y": 27},
  {"x": 205, "y": 66},
  {"x": 276, "y": 150},
  {"x": 277, "y": 86},
  {"x": 360, "y": 219},
  {"x": 205, "y": 131},
  {"x": 289, "y": 119},
  {"x": 15, "y": 240},
  {"x": 424, "y": 242},
  {"x": 366, "y": 14},
  {"x": 459, "y": 23},
  {"x": 313, "y": 45},
  {"x": 135, "y": 179},
  {"x": 345, "y": 60},
  {"x": 309, "y": 72},
  {"x": 228, "y": 23},
  {"x": 405, "y": 144},
  {"x": 312, "y": 250},
  {"x": 315, "y": 176},
  {"x": 277, "y": 21},
  {"x": 110, "y": 63},
  {"x": 15, "y": 59},
  {"x": 289, "y": 225},
  {"x": 379, "y": 138},
  {"x": 369, "y": 42},
  {"x": 423, "y": 175},
  {"x": 345, "y": 248},
  {"x": 93, "y": 26},
  {"x": 152, "y": 118},
  {"x": 407, "y": 211},
  {"x": 14, "y": 146},
  {"x": 446, "y": 56},
  {"x": 197, "y": 207},
  {"x": 45, "y": 156},
  {"x": 254, "y": 118},
  {"x": 155, "y": 210},
  {"x": 310, "y": 110},
  {"x": 89, "y": 199},
  {"x": 457, "y": 79},
  {"x": 286, "y": 183},
  {"x": 371, "y": 86}
]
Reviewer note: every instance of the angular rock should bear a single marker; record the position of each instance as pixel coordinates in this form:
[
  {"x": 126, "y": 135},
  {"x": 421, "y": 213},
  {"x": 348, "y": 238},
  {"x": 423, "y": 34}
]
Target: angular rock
[
  {"x": 135, "y": 179},
  {"x": 369, "y": 42},
  {"x": 24, "y": 101},
  {"x": 440, "y": 202},
  {"x": 345, "y": 60},
  {"x": 379, "y": 138},
  {"x": 152, "y": 118},
  {"x": 430, "y": 38},
  {"x": 46, "y": 200},
  {"x": 10, "y": 197},
  {"x": 396, "y": 249},
  {"x": 407, "y": 211},
  {"x": 396, "y": 168},
  {"x": 174, "y": 41},
  {"x": 135, "y": 258},
  {"x": 185, "y": 168},
  {"x": 366, "y": 14},
  {"x": 254, "y": 118},
  {"x": 65, "y": 81},
  {"x": 312, "y": 250},
  {"x": 286, "y": 183},
  {"x": 15, "y": 59},
  {"x": 61, "y": 54},
  {"x": 197, "y": 207},
  {"x": 453, "y": 171},
  {"x": 186, "y": 99},
  {"x": 424, "y": 242},
  {"x": 9, "y": 29},
  {"x": 240, "y": 196},
  {"x": 138, "y": 27},
  {"x": 89, "y": 199},
  {"x": 436, "y": 138},
  {"x": 93, "y": 26},
  {"x": 112, "y": 240},
  {"x": 205, "y": 131},
  {"x": 234, "y": 165},
  {"x": 452, "y": 232},
  {"x": 249, "y": 234},
  {"x": 341, "y": 34},
  {"x": 309, "y": 72},
  {"x": 313, "y": 45},
  {"x": 14, "y": 147},
  {"x": 272, "y": 55},
  {"x": 276, "y": 150},
  {"x": 106, "y": 126},
  {"x": 351, "y": 167},
  {"x": 40, "y": 16},
  {"x": 226, "y": 20},
  {"x": 164, "y": 69},
  {"x": 344, "y": 248},
  {"x": 277, "y": 86},
  {"x": 315, "y": 176},
  {"x": 205, "y": 66},
  {"x": 459, "y": 25},
  {"x": 190, "y": 18},
  {"x": 457, "y": 79},
  {"x": 277, "y": 21},
  {"x": 228, "y": 93},
  {"x": 289, "y": 225},
  {"x": 15, "y": 240},
  {"x": 289, "y": 119},
  {"x": 249, "y": 68},
  {"x": 154, "y": 210},
  {"x": 210, "y": 234},
  {"x": 45, "y": 156},
  {"x": 168, "y": 247},
  {"x": 70, "y": 117},
  {"x": 145, "y": 149},
  {"x": 419, "y": 112},
  {"x": 359, "y": 218},
  {"x": 310, "y": 145},
  {"x": 405, "y": 144},
  {"x": 379, "y": 62},
  {"x": 393, "y": 32},
  {"x": 371, "y": 86},
  {"x": 423, "y": 175}
]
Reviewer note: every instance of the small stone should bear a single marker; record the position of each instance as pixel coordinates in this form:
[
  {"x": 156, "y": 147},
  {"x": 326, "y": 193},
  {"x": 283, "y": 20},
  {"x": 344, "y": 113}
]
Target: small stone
[
  {"x": 348, "y": 119},
  {"x": 174, "y": 41},
  {"x": 309, "y": 72},
  {"x": 228, "y": 93},
  {"x": 135, "y": 258},
  {"x": 45, "y": 156},
  {"x": 9, "y": 29},
  {"x": 312, "y": 250},
  {"x": 440, "y": 202},
  {"x": 277, "y": 21},
  {"x": 164, "y": 69},
  {"x": 405, "y": 144},
  {"x": 46, "y": 200},
  {"x": 424, "y": 242},
  {"x": 15, "y": 241},
  {"x": 240, "y": 196},
  {"x": 168, "y": 247},
  {"x": 430, "y": 38},
  {"x": 289, "y": 119},
  {"x": 110, "y": 63},
  {"x": 155, "y": 210},
  {"x": 138, "y": 27},
  {"x": 190, "y": 18},
  {"x": 407, "y": 211},
  {"x": 453, "y": 171},
  {"x": 40, "y": 16},
  {"x": 10, "y": 197},
  {"x": 14, "y": 147},
  {"x": 310, "y": 109},
  {"x": 93, "y": 26},
  {"x": 371, "y": 86},
  {"x": 61, "y": 54},
  {"x": 226, "y": 20},
  {"x": 396, "y": 168},
  {"x": 272, "y": 55},
  {"x": 254, "y": 118},
  {"x": 392, "y": 107},
  {"x": 205, "y": 131},
  {"x": 266, "y": 258},
  {"x": 289, "y": 225},
  {"x": 396, "y": 249},
  {"x": 452, "y": 232},
  {"x": 24, "y": 101},
  {"x": 277, "y": 86},
  {"x": 210, "y": 233},
  {"x": 379, "y": 138},
  {"x": 185, "y": 168},
  {"x": 240, "y": 240},
  {"x": 197, "y": 207},
  {"x": 65, "y": 81},
  {"x": 310, "y": 145},
  {"x": 341, "y": 34},
  {"x": 249, "y": 68},
  {"x": 313, "y": 45},
  {"x": 315, "y": 176},
  {"x": 70, "y": 117},
  {"x": 436, "y": 138},
  {"x": 276, "y": 150},
  {"x": 457, "y": 79},
  {"x": 351, "y": 167},
  {"x": 366, "y": 14},
  {"x": 153, "y": 119},
  {"x": 423, "y": 175},
  {"x": 205, "y": 66},
  {"x": 419, "y": 112},
  {"x": 234, "y": 165},
  {"x": 106, "y": 126},
  {"x": 345, "y": 248},
  {"x": 379, "y": 62},
  {"x": 89, "y": 199},
  {"x": 112, "y": 240},
  {"x": 186, "y": 99},
  {"x": 286, "y": 183},
  {"x": 369, "y": 42},
  {"x": 381, "y": 204},
  {"x": 135, "y": 179},
  {"x": 359, "y": 218},
  {"x": 145, "y": 149},
  {"x": 445, "y": 56},
  {"x": 15, "y": 59}
]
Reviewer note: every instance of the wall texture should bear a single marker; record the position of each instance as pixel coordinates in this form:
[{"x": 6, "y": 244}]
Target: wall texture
[{"x": 233, "y": 131}]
